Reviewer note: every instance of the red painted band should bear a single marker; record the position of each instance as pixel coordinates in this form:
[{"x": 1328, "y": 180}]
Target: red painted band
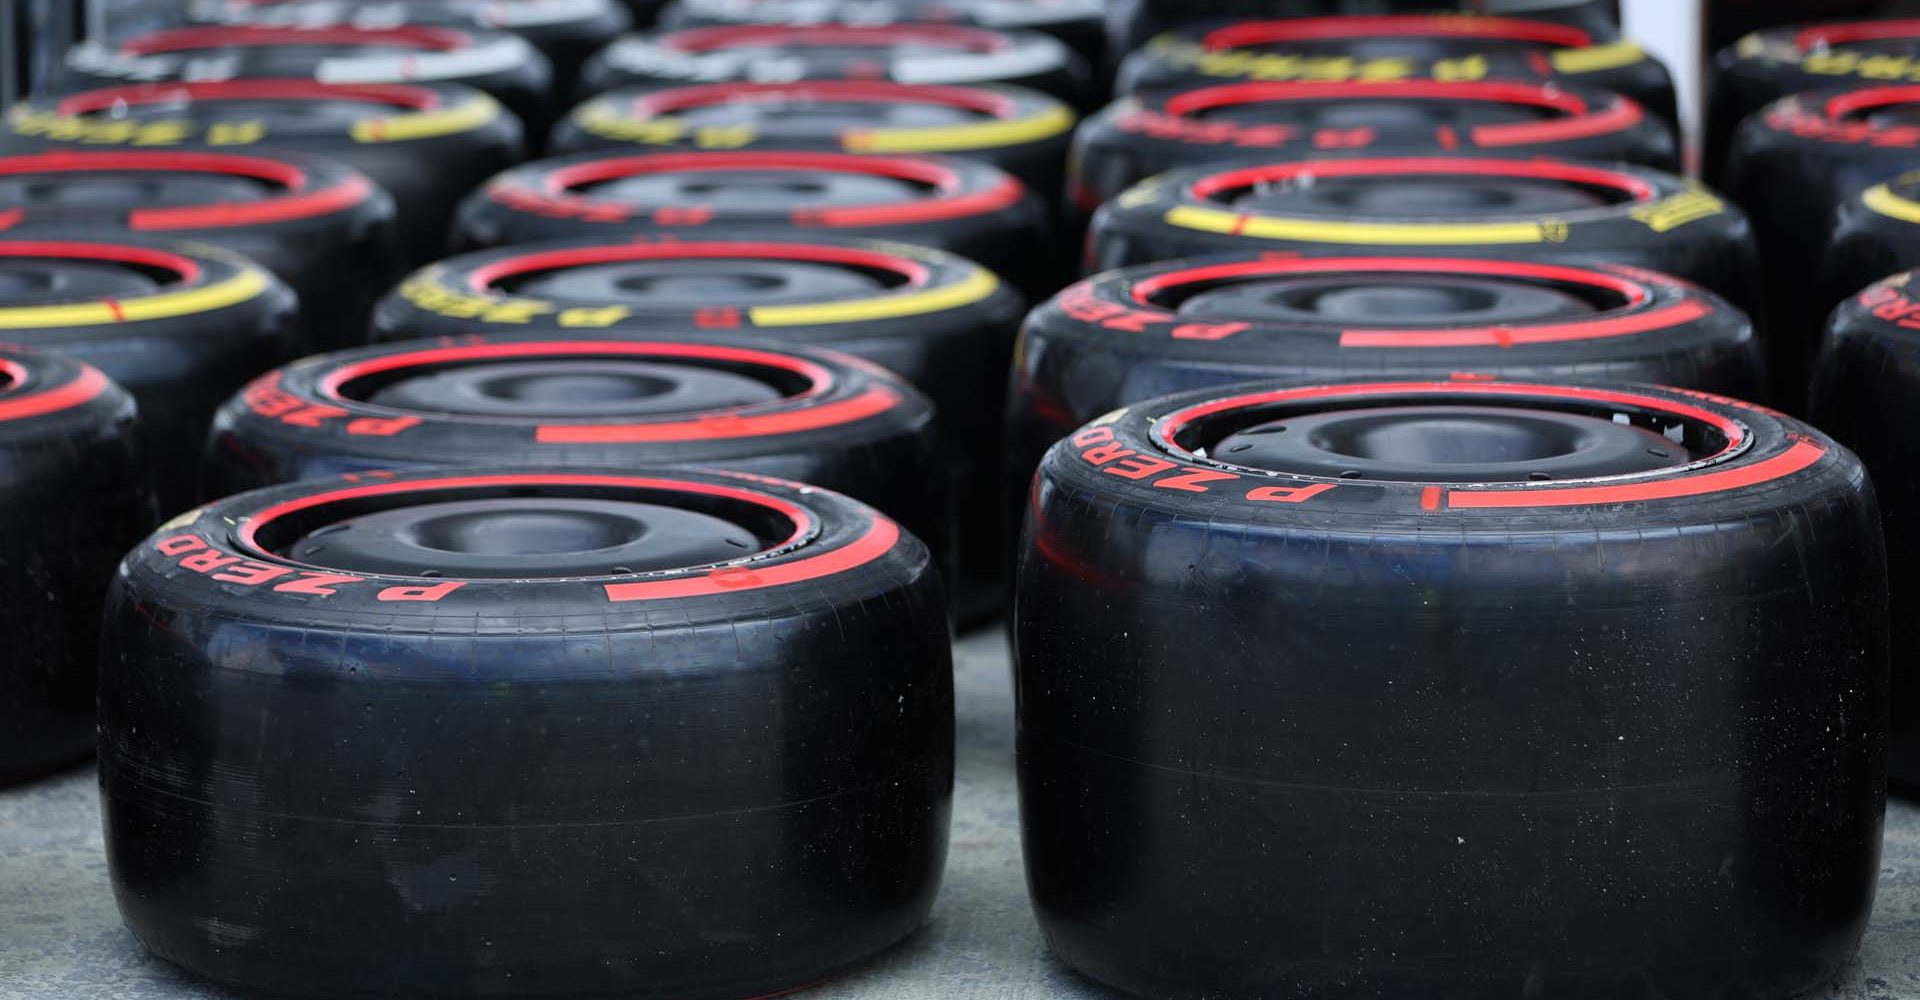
[
  {"x": 1543, "y": 169},
  {"x": 1856, "y": 31},
  {"x": 186, "y": 269},
  {"x": 1853, "y": 102},
  {"x": 724, "y": 425},
  {"x": 12, "y": 374},
  {"x": 661, "y": 102},
  {"x": 1798, "y": 456},
  {"x": 485, "y": 277},
  {"x": 349, "y": 192},
  {"x": 1618, "y": 115},
  {"x": 1317, "y": 29},
  {"x": 879, "y": 539},
  {"x": 1685, "y": 311},
  {"x": 247, "y": 534},
  {"x": 946, "y": 36},
  {"x": 395, "y": 95},
  {"x": 1189, "y": 102},
  {"x": 1147, "y": 289},
  {"x": 1167, "y": 427},
  {"x": 188, "y": 39},
  {"x": 278, "y": 172},
  {"x": 88, "y": 384}
]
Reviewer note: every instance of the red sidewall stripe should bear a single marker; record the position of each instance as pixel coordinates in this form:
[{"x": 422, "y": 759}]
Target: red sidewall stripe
[
  {"x": 1542, "y": 169},
  {"x": 349, "y": 192},
  {"x": 85, "y": 386},
  {"x": 1798, "y": 456},
  {"x": 873, "y": 401},
  {"x": 1620, "y": 326},
  {"x": 879, "y": 539},
  {"x": 1388, "y": 26}
]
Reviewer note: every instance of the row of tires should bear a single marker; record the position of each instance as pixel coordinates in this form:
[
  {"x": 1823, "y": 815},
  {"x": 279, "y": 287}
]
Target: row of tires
[{"x": 466, "y": 630}]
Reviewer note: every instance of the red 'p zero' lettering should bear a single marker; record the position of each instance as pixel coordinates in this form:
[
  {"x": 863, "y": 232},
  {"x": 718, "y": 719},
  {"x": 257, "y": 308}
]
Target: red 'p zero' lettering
[
  {"x": 1289, "y": 494},
  {"x": 317, "y": 584},
  {"x": 312, "y": 416},
  {"x": 208, "y": 560},
  {"x": 1191, "y": 481},
  {"x": 1102, "y": 454},
  {"x": 433, "y": 593},
  {"x": 1207, "y": 331},
  {"x": 1092, "y": 435},
  {"x": 1138, "y": 467},
  {"x": 179, "y": 544},
  {"x": 381, "y": 426},
  {"x": 251, "y": 574}
]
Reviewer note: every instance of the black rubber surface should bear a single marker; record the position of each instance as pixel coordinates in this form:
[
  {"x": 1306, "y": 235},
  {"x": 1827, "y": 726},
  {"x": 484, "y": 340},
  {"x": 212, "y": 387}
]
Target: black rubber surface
[
  {"x": 590, "y": 786},
  {"x": 941, "y": 322},
  {"x": 325, "y": 229},
  {"x": 179, "y": 327},
  {"x": 1876, "y": 233},
  {"x": 1489, "y": 732},
  {"x": 1131, "y": 24},
  {"x": 1864, "y": 394},
  {"x": 1459, "y": 206},
  {"x": 1141, "y": 332},
  {"x": 73, "y": 496},
  {"x": 1075, "y": 22},
  {"x": 425, "y": 144},
  {"x": 505, "y": 400},
  {"x": 970, "y": 208}
]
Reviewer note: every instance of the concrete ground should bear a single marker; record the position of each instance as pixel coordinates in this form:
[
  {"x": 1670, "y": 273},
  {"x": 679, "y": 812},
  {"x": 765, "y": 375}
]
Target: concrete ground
[{"x": 60, "y": 938}]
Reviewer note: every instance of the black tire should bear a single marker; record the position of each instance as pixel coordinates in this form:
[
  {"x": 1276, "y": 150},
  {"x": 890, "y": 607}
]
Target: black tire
[
  {"x": 73, "y": 496},
  {"x": 1865, "y": 393},
  {"x": 180, "y": 327},
  {"x": 1773, "y": 63},
  {"x": 1824, "y": 148},
  {"x": 1876, "y": 234},
  {"x": 567, "y": 32},
  {"x": 426, "y": 144},
  {"x": 1131, "y": 24},
  {"x": 324, "y": 229},
  {"x": 1459, "y": 206},
  {"x": 1403, "y": 46},
  {"x": 970, "y": 208},
  {"x": 939, "y": 321},
  {"x": 503, "y": 65},
  {"x": 941, "y": 54},
  {"x": 1075, "y": 22},
  {"x": 1129, "y": 335},
  {"x": 1020, "y": 131},
  {"x": 524, "y": 773},
  {"x": 791, "y": 412},
  {"x": 1138, "y": 137},
  {"x": 1489, "y": 736}
]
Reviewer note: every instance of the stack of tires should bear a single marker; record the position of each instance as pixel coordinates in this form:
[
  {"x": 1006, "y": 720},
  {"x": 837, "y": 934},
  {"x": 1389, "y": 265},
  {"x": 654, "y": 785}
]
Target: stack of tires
[{"x": 566, "y": 434}]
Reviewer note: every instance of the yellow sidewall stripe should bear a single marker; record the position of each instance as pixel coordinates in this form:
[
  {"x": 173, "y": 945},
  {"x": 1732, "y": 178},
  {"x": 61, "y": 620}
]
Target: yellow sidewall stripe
[
  {"x": 239, "y": 288},
  {"x": 975, "y": 287},
  {"x": 1595, "y": 58},
  {"x": 428, "y": 124},
  {"x": 1370, "y": 233},
  {"x": 1045, "y": 125},
  {"x": 1881, "y": 199}
]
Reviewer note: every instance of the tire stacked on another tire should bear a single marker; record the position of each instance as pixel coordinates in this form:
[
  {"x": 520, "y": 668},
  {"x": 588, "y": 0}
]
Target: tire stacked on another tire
[
  {"x": 943, "y": 323},
  {"x": 1508, "y": 688},
  {"x": 503, "y": 65},
  {"x": 1774, "y": 63},
  {"x": 1139, "y": 137},
  {"x": 1020, "y": 131},
  {"x": 1399, "y": 47},
  {"x": 966, "y": 207},
  {"x": 567, "y": 32},
  {"x": 540, "y": 733},
  {"x": 1457, "y": 206},
  {"x": 1876, "y": 234},
  {"x": 942, "y": 54},
  {"x": 791, "y": 412},
  {"x": 1866, "y": 386},
  {"x": 1825, "y": 148},
  {"x": 1133, "y": 334},
  {"x": 73, "y": 496},
  {"x": 179, "y": 326},
  {"x": 425, "y": 144},
  {"x": 1078, "y": 23},
  {"x": 1133, "y": 24},
  {"x": 325, "y": 229}
]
